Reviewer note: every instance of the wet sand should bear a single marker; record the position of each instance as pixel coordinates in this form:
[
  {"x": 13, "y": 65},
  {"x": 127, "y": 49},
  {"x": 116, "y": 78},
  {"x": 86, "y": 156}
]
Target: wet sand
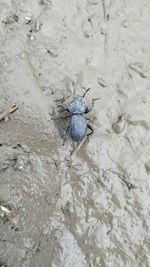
[{"x": 91, "y": 208}]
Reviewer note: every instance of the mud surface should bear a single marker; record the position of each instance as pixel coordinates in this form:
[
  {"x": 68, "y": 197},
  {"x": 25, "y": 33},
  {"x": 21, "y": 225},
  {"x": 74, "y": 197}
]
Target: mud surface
[{"x": 91, "y": 209}]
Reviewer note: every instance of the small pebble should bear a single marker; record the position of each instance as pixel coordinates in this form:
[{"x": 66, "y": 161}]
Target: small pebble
[{"x": 120, "y": 124}]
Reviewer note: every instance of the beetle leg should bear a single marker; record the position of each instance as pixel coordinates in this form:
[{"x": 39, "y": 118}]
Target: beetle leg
[
  {"x": 60, "y": 117},
  {"x": 93, "y": 102},
  {"x": 64, "y": 135},
  {"x": 91, "y": 129},
  {"x": 62, "y": 108}
]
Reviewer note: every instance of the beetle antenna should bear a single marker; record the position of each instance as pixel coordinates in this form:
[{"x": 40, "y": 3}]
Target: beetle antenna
[{"x": 86, "y": 92}]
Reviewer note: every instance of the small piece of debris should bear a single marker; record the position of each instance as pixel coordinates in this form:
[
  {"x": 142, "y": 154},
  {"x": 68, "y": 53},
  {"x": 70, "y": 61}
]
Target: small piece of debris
[
  {"x": 52, "y": 53},
  {"x": 28, "y": 20},
  {"x": 6, "y": 212},
  {"x": 7, "y": 112},
  {"x": 101, "y": 82}
]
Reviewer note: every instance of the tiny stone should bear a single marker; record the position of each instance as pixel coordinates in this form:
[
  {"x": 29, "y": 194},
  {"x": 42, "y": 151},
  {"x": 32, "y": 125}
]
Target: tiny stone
[{"x": 46, "y": 231}]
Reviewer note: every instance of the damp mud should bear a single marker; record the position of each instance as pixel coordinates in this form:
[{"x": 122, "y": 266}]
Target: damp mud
[{"x": 86, "y": 206}]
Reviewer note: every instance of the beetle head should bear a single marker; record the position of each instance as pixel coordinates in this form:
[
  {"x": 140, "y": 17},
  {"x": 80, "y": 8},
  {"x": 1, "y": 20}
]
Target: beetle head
[{"x": 77, "y": 105}]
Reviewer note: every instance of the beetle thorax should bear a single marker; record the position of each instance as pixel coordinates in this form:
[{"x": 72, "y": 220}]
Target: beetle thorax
[{"x": 77, "y": 106}]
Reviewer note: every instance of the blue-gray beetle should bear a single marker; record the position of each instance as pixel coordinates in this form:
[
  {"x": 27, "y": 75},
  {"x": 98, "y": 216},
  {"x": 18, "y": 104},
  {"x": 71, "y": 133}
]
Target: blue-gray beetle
[{"x": 76, "y": 111}]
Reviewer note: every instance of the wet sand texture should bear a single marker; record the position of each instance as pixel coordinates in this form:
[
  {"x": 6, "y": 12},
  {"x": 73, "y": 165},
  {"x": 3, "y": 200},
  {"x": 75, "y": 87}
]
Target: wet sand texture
[{"x": 91, "y": 209}]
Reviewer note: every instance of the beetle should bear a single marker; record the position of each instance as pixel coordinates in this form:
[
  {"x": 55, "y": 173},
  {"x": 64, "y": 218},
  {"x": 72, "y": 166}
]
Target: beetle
[{"x": 76, "y": 111}]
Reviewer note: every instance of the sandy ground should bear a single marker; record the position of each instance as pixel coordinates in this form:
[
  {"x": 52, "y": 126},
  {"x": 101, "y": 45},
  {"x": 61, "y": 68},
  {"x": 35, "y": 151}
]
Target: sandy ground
[{"x": 91, "y": 209}]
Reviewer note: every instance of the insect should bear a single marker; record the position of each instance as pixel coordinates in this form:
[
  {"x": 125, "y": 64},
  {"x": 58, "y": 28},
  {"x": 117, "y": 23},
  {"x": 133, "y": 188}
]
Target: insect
[{"x": 77, "y": 123}]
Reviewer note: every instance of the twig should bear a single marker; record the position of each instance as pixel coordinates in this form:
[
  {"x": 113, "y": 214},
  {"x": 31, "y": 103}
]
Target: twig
[
  {"x": 8, "y": 213},
  {"x": 122, "y": 175},
  {"x": 8, "y": 111}
]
